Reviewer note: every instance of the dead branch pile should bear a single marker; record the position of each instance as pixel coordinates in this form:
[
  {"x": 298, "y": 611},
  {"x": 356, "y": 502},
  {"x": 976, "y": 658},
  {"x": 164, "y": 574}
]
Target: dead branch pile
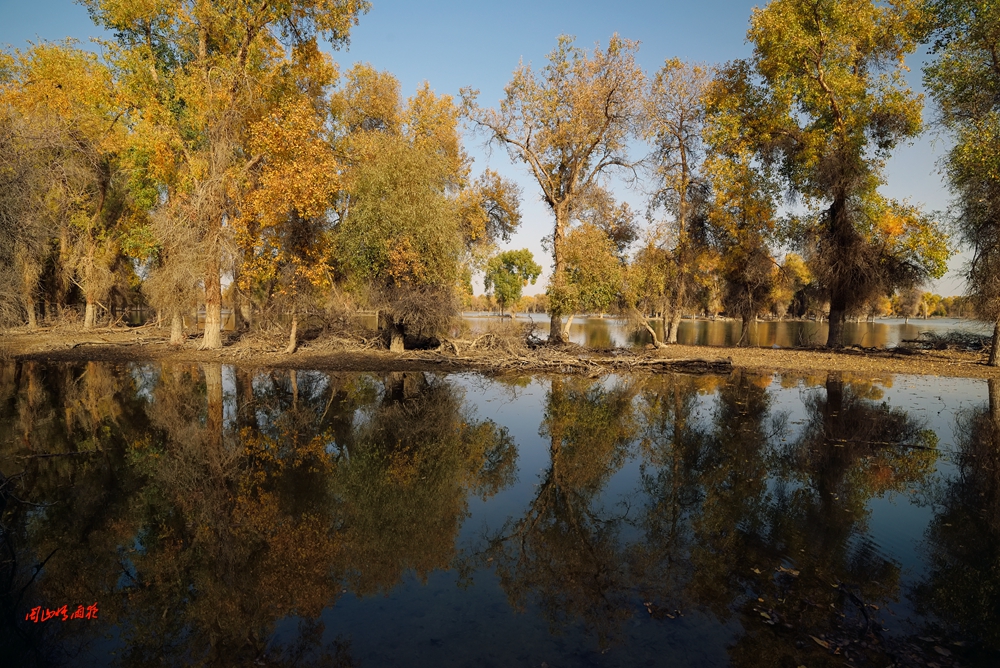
[
  {"x": 495, "y": 353},
  {"x": 969, "y": 341}
]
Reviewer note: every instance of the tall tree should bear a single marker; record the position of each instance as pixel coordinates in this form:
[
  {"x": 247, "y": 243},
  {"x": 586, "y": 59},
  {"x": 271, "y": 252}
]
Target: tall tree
[
  {"x": 964, "y": 80},
  {"x": 410, "y": 217},
  {"x": 507, "y": 273},
  {"x": 675, "y": 118},
  {"x": 742, "y": 215},
  {"x": 832, "y": 106},
  {"x": 65, "y": 99},
  {"x": 284, "y": 229},
  {"x": 593, "y": 278},
  {"x": 570, "y": 123},
  {"x": 196, "y": 76}
]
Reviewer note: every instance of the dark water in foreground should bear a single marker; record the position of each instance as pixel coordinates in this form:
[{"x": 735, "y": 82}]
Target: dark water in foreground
[{"x": 221, "y": 516}]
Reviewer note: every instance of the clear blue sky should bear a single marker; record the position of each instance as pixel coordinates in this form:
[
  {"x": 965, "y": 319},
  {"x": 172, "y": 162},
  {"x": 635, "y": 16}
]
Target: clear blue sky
[{"x": 455, "y": 43}]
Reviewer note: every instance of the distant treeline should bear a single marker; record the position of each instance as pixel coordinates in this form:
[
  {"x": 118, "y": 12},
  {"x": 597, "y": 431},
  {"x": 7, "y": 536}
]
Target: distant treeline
[
  {"x": 909, "y": 304},
  {"x": 214, "y": 155}
]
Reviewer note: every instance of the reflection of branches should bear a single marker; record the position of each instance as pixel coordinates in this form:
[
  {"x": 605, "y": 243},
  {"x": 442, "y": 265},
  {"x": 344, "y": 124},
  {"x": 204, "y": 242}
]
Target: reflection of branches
[
  {"x": 563, "y": 554},
  {"x": 964, "y": 536}
]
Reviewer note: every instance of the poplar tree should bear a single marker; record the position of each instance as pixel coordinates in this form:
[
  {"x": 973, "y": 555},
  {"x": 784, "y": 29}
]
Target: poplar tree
[
  {"x": 831, "y": 105},
  {"x": 964, "y": 80},
  {"x": 507, "y": 273},
  {"x": 570, "y": 123},
  {"x": 411, "y": 219},
  {"x": 196, "y": 75}
]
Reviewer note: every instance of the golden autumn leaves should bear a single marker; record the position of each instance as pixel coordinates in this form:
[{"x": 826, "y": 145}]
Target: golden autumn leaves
[{"x": 225, "y": 146}]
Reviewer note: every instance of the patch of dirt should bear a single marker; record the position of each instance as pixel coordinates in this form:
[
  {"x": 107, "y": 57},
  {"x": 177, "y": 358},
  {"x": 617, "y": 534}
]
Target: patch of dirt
[{"x": 495, "y": 355}]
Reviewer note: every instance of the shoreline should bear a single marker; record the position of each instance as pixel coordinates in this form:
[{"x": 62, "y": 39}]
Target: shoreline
[{"x": 144, "y": 344}]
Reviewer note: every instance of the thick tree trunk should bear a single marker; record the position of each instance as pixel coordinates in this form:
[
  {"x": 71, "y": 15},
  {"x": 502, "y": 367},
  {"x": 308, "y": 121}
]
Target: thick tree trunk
[
  {"x": 212, "y": 338},
  {"x": 744, "y": 339},
  {"x": 396, "y": 338},
  {"x": 29, "y": 305},
  {"x": 89, "y": 315},
  {"x": 238, "y": 324},
  {"x": 293, "y": 341},
  {"x": 671, "y": 324},
  {"x": 840, "y": 232},
  {"x": 995, "y": 345},
  {"x": 555, "y": 329},
  {"x": 176, "y": 328},
  {"x": 838, "y": 311}
]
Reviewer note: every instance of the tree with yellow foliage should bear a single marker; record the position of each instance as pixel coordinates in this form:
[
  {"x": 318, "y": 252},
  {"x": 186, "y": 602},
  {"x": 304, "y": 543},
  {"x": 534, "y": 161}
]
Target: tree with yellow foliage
[
  {"x": 65, "y": 101},
  {"x": 964, "y": 79},
  {"x": 571, "y": 123},
  {"x": 283, "y": 229},
  {"x": 675, "y": 124},
  {"x": 196, "y": 77},
  {"x": 824, "y": 99},
  {"x": 410, "y": 217}
]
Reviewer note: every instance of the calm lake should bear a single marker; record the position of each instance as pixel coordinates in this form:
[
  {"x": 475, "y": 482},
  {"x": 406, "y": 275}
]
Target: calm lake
[
  {"x": 212, "y": 515},
  {"x": 597, "y": 332}
]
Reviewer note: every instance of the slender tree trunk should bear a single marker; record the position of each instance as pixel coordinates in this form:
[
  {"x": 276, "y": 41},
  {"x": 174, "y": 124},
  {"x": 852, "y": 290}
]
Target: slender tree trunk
[
  {"x": 994, "y": 392},
  {"x": 652, "y": 332},
  {"x": 293, "y": 341},
  {"x": 212, "y": 338},
  {"x": 559, "y": 269},
  {"x": 176, "y": 328},
  {"x": 995, "y": 345},
  {"x": 744, "y": 339},
  {"x": 29, "y": 305},
  {"x": 236, "y": 295},
  {"x": 565, "y": 331},
  {"x": 63, "y": 281},
  {"x": 89, "y": 314}
]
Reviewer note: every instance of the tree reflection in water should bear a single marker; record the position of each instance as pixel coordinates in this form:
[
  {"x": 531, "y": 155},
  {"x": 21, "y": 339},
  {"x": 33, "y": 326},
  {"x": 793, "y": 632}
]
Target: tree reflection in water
[
  {"x": 962, "y": 588},
  {"x": 211, "y": 509},
  {"x": 564, "y": 553},
  {"x": 737, "y": 523},
  {"x": 208, "y": 510}
]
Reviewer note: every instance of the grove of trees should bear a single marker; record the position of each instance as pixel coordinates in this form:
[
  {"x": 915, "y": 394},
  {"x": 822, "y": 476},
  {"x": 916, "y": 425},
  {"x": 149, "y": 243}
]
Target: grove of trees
[{"x": 214, "y": 155}]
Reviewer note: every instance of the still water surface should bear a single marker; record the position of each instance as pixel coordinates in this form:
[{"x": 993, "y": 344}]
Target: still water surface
[
  {"x": 597, "y": 332},
  {"x": 226, "y": 516}
]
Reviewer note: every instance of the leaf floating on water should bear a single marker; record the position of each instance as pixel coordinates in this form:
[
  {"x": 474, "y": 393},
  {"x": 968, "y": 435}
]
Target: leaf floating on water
[
  {"x": 941, "y": 650},
  {"x": 756, "y": 570},
  {"x": 822, "y": 643}
]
